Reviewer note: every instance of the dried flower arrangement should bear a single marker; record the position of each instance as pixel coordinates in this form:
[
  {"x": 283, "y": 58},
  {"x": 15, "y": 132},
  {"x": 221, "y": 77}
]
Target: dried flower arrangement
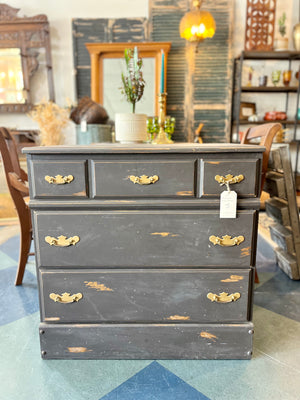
[{"x": 51, "y": 120}]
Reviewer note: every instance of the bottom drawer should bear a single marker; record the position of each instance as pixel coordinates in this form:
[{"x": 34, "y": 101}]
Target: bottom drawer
[
  {"x": 145, "y": 296},
  {"x": 141, "y": 341}
]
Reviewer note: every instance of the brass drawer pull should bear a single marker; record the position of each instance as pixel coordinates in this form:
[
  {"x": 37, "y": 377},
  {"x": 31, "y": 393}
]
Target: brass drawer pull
[
  {"x": 228, "y": 179},
  {"x": 62, "y": 241},
  {"x": 226, "y": 240},
  {"x": 144, "y": 179},
  {"x": 223, "y": 297},
  {"x": 65, "y": 297},
  {"x": 59, "y": 179}
]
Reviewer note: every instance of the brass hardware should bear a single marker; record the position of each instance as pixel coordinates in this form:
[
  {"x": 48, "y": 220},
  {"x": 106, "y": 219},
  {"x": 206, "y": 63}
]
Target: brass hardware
[
  {"x": 59, "y": 179},
  {"x": 144, "y": 179},
  {"x": 223, "y": 297},
  {"x": 62, "y": 241},
  {"x": 226, "y": 240},
  {"x": 228, "y": 179},
  {"x": 65, "y": 297}
]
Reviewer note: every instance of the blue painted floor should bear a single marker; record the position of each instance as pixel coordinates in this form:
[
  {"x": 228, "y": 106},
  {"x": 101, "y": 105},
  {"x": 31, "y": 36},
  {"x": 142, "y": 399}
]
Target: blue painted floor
[{"x": 273, "y": 373}]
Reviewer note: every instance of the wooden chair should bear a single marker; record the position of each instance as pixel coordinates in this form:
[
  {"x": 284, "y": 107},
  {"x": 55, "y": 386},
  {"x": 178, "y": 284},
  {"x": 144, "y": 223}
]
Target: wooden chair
[
  {"x": 266, "y": 133},
  {"x": 16, "y": 179}
]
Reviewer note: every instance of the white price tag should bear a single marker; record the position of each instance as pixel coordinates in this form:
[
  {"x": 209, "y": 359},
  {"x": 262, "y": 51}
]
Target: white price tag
[
  {"x": 228, "y": 204},
  {"x": 83, "y": 126}
]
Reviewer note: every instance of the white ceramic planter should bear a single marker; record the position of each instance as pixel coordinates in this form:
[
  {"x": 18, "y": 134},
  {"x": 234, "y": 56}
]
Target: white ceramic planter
[
  {"x": 131, "y": 128},
  {"x": 281, "y": 43}
]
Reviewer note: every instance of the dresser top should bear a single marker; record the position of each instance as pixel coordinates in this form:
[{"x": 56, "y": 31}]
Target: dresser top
[{"x": 118, "y": 148}]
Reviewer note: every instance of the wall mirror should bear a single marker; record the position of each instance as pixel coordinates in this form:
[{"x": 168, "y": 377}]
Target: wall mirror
[
  {"x": 107, "y": 64},
  {"x": 21, "y": 39}
]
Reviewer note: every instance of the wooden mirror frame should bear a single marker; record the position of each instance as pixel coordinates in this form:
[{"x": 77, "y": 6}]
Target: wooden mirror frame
[
  {"x": 99, "y": 51},
  {"x": 27, "y": 34}
]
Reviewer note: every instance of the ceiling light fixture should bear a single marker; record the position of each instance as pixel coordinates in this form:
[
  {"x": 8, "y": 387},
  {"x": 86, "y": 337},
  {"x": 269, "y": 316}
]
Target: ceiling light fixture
[{"x": 197, "y": 25}]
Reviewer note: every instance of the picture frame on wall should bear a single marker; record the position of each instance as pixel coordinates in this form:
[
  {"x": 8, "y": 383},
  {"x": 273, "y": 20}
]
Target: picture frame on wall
[{"x": 246, "y": 110}]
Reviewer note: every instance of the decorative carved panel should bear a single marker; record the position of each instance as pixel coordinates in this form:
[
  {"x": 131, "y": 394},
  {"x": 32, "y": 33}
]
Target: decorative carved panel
[{"x": 260, "y": 20}]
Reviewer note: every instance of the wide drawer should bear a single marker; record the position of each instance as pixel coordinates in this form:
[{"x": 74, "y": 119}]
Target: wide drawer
[
  {"x": 58, "y": 179},
  {"x": 161, "y": 178},
  {"x": 144, "y": 295},
  {"x": 146, "y": 341},
  {"x": 164, "y": 238}
]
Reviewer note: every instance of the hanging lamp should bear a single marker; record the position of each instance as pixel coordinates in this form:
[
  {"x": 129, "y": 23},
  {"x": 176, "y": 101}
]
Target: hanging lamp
[{"x": 197, "y": 25}]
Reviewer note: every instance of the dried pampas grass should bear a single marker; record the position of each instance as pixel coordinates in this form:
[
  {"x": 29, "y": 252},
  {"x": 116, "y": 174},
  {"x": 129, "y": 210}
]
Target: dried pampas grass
[{"x": 51, "y": 120}]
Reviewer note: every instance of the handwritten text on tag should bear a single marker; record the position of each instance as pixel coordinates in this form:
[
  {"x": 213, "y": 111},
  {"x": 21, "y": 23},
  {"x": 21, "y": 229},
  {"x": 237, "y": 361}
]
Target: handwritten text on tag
[{"x": 228, "y": 203}]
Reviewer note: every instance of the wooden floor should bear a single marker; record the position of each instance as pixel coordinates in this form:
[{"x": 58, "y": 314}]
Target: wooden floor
[{"x": 7, "y": 209}]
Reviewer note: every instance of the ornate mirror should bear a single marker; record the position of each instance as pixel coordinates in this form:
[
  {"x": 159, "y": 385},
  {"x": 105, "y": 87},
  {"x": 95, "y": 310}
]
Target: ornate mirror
[
  {"x": 107, "y": 64},
  {"x": 20, "y": 38}
]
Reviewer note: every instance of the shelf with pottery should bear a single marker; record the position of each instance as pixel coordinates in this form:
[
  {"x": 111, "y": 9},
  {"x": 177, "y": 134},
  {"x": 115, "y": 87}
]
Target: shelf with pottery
[
  {"x": 266, "y": 89},
  {"x": 259, "y": 122},
  {"x": 272, "y": 55}
]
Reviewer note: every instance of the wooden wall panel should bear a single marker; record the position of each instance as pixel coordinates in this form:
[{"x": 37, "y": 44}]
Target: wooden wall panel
[{"x": 164, "y": 19}]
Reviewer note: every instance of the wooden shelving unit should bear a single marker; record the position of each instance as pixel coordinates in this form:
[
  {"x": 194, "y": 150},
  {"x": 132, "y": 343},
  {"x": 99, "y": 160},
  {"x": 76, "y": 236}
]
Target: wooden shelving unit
[{"x": 238, "y": 90}]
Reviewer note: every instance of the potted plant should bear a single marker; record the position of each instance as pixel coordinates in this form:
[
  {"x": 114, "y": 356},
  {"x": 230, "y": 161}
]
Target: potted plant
[
  {"x": 282, "y": 42},
  {"x": 132, "y": 127}
]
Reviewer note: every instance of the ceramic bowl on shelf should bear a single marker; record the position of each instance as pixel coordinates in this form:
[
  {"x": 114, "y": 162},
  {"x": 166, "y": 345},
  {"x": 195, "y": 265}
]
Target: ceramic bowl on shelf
[{"x": 275, "y": 116}]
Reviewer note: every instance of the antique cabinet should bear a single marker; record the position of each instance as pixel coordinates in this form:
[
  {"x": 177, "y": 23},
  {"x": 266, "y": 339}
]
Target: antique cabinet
[{"x": 132, "y": 256}]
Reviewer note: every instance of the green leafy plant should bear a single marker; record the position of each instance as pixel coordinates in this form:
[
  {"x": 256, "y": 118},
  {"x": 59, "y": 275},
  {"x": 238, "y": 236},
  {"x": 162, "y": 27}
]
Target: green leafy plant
[
  {"x": 133, "y": 81},
  {"x": 281, "y": 23}
]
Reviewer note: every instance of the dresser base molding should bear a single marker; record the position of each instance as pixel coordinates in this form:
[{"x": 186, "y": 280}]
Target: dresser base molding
[{"x": 145, "y": 341}]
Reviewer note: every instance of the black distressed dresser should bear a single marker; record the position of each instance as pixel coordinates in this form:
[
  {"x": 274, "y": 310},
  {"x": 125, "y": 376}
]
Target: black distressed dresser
[{"x": 133, "y": 259}]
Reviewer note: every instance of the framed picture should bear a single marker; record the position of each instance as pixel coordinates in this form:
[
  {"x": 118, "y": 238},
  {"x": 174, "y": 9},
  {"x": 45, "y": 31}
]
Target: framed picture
[{"x": 247, "y": 109}]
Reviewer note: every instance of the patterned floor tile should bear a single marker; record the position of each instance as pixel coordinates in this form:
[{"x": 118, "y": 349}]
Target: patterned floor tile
[
  {"x": 277, "y": 337},
  {"x": 272, "y": 374},
  {"x": 155, "y": 383},
  {"x": 11, "y": 247},
  {"x": 17, "y": 301},
  {"x": 24, "y": 375},
  {"x": 279, "y": 294},
  {"x": 6, "y": 261}
]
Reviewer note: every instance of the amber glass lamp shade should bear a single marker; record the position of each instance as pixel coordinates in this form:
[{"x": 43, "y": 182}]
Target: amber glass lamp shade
[{"x": 197, "y": 25}]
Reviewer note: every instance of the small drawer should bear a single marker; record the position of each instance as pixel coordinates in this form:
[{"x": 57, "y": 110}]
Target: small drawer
[
  {"x": 140, "y": 238},
  {"x": 147, "y": 296},
  {"x": 212, "y": 171},
  {"x": 58, "y": 179},
  {"x": 143, "y": 178}
]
